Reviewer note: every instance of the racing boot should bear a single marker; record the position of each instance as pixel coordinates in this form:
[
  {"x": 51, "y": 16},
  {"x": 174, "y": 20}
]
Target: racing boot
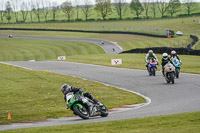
[{"x": 91, "y": 110}]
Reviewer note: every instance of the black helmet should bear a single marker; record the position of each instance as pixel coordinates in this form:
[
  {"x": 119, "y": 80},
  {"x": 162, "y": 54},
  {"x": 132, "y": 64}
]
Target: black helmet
[{"x": 65, "y": 88}]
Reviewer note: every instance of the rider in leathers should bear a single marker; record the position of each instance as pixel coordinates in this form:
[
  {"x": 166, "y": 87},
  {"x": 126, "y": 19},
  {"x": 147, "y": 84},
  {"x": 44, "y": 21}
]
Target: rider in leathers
[
  {"x": 66, "y": 89},
  {"x": 150, "y": 55},
  {"x": 164, "y": 61}
]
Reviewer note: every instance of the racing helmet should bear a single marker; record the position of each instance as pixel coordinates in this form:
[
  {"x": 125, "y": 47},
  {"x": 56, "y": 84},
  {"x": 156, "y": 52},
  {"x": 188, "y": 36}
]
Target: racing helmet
[
  {"x": 173, "y": 52},
  {"x": 150, "y": 52},
  {"x": 65, "y": 88},
  {"x": 165, "y": 56}
]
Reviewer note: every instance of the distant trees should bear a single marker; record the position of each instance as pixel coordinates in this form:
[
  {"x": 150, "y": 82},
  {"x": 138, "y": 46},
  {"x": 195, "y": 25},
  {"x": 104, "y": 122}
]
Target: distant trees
[
  {"x": 153, "y": 8},
  {"x": 174, "y": 7},
  {"x": 162, "y": 6},
  {"x": 15, "y": 7},
  {"x": 55, "y": 9},
  {"x": 8, "y": 11},
  {"x": 68, "y": 9},
  {"x": 46, "y": 5},
  {"x": 146, "y": 4},
  {"x": 20, "y": 10},
  {"x": 24, "y": 11},
  {"x": 86, "y": 8},
  {"x": 137, "y": 7},
  {"x": 2, "y": 13},
  {"x": 37, "y": 9},
  {"x": 121, "y": 7},
  {"x": 103, "y": 7},
  {"x": 189, "y": 4}
]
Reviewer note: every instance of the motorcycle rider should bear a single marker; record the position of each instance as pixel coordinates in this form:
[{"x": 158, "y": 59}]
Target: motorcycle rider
[
  {"x": 150, "y": 55},
  {"x": 164, "y": 61},
  {"x": 174, "y": 55},
  {"x": 66, "y": 89}
]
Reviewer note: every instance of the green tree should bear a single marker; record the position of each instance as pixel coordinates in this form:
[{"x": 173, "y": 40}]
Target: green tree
[
  {"x": 162, "y": 6},
  {"x": 137, "y": 7},
  {"x": 120, "y": 7},
  {"x": 189, "y": 4},
  {"x": 8, "y": 11},
  {"x": 174, "y": 7},
  {"x": 68, "y": 9},
  {"x": 103, "y": 7}
]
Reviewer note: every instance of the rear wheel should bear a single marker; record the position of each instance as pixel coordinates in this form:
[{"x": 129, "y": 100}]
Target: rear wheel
[{"x": 82, "y": 112}]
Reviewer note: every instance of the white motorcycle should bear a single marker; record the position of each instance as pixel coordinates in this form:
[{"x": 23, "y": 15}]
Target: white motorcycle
[{"x": 169, "y": 72}]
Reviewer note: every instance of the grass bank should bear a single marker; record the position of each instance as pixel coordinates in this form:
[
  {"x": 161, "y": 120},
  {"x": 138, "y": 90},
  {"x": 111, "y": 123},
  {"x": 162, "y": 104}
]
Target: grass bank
[
  {"x": 188, "y": 26},
  {"x": 35, "y": 95},
  {"x": 127, "y": 42},
  {"x": 177, "y": 123},
  {"x": 28, "y": 49}
]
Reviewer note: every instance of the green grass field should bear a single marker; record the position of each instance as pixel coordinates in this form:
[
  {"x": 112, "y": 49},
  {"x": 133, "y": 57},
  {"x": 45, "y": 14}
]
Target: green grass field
[
  {"x": 35, "y": 95},
  {"x": 127, "y": 42},
  {"x": 25, "y": 49},
  {"x": 186, "y": 25},
  {"x": 178, "y": 123},
  {"x": 94, "y": 16}
]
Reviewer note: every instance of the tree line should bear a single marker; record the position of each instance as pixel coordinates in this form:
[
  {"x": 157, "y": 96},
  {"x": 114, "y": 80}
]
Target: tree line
[{"x": 12, "y": 9}]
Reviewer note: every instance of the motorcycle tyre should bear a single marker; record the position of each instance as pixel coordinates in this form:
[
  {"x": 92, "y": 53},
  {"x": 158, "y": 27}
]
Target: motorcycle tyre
[
  {"x": 78, "y": 112},
  {"x": 172, "y": 77},
  {"x": 104, "y": 113},
  {"x": 177, "y": 73}
]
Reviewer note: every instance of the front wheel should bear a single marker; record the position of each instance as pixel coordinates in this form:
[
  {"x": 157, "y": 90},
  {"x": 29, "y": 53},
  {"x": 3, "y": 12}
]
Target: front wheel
[
  {"x": 82, "y": 112},
  {"x": 177, "y": 73},
  {"x": 172, "y": 77},
  {"x": 153, "y": 71},
  {"x": 104, "y": 111}
]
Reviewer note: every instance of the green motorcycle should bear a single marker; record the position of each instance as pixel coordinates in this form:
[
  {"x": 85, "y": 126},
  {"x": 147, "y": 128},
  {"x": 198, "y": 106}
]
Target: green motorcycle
[{"x": 78, "y": 104}]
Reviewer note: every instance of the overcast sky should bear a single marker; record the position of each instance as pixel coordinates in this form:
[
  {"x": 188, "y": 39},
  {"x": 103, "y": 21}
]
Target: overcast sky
[{"x": 59, "y": 2}]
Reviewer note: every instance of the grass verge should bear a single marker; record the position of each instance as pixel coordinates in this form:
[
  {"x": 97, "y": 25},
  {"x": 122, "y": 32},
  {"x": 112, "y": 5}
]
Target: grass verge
[
  {"x": 35, "y": 95},
  {"x": 29, "y": 49},
  {"x": 190, "y": 64},
  {"x": 177, "y": 123},
  {"x": 127, "y": 42}
]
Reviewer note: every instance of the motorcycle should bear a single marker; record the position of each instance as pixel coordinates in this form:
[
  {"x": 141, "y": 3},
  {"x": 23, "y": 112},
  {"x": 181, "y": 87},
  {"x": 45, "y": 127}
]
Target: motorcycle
[
  {"x": 177, "y": 68},
  {"x": 79, "y": 107},
  {"x": 169, "y": 72},
  {"x": 152, "y": 66}
]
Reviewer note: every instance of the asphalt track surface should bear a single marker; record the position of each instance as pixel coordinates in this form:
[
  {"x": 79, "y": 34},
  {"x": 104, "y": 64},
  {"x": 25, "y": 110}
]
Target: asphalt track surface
[
  {"x": 183, "y": 96},
  {"x": 109, "y": 47}
]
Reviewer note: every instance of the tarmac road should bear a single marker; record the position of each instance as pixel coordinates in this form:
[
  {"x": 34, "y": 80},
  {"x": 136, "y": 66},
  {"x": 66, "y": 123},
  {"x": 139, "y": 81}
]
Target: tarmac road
[
  {"x": 109, "y": 47},
  {"x": 183, "y": 96}
]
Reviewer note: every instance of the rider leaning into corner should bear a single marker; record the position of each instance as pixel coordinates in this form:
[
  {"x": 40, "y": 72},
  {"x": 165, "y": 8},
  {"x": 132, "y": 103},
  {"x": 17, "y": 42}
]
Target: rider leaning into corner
[
  {"x": 164, "y": 61},
  {"x": 174, "y": 55},
  {"x": 150, "y": 55},
  {"x": 67, "y": 89}
]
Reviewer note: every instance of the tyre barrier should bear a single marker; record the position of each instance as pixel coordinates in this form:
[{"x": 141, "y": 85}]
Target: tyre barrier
[
  {"x": 89, "y": 31},
  {"x": 195, "y": 40},
  {"x": 161, "y": 50}
]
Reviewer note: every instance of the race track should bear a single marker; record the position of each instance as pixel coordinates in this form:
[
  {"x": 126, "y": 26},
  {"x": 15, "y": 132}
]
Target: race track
[{"x": 183, "y": 96}]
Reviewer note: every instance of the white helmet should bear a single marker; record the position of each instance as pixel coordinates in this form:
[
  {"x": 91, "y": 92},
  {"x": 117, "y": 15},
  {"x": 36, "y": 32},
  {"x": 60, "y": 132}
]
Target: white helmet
[
  {"x": 173, "y": 52},
  {"x": 165, "y": 56},
  {"x": 150, "y": 52}
]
